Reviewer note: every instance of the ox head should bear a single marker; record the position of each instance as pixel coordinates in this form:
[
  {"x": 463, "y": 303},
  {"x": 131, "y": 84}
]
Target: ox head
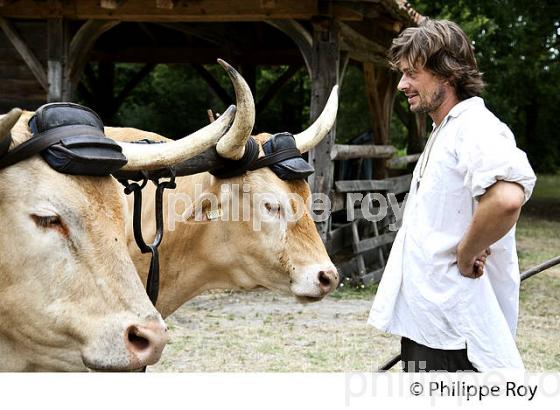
[
  {"x": 71, "y": 298},
  {"x": 265, "y": 246}
]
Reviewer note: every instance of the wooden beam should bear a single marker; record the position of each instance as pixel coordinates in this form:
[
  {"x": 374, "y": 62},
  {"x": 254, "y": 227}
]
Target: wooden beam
[
  {"x": 375, "y": 242},
  {"x": 344, "y": 60},
  {"x": 324, "y": 75},
  {"x": 393, "y": 184},
  {"x": 381, "y": 85},
  {"x": 360, "y": 47},
  {"x": 249, "y": 73},
  {"x": 131, "y": 85},
  {"x": 58, "y": 48},
  {"x": 339, "y": 239},
  {"x": 347, "y": 13},
  {"x": 276, "y": 86},
  {"x": 110, "y": 4},
  {"x": 148, "y": 10},
  {"x": 82, "y": 43},
  {"x": 24, "y": 89},
  {"x": 402, "y": 162},
  {"x": 415, "y": 124},
  {"x": 151, "y": 37},
  {"x": 417, "y": 140},
  {"x": 299, "y": 35},
  {"x": 104, "y": 91},
  {"x": 165, "y": 4},
  {"x": 187, "y": 55},
  {"x": 214, "y": 85},
  {"x": 207, "y": 35},
  {"x": 25, "y": 52},
  {"x": 342, "y": 152}
]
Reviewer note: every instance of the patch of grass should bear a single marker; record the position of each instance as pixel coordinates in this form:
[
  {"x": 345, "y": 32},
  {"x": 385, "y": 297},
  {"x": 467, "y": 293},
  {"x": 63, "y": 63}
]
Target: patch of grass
[
  {"x": 348, "y": 291},
  {"x": 547, "y": 187}
]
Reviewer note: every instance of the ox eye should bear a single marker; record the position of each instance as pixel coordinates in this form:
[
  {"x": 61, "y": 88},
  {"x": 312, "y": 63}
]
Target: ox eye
[
  {"x": 52, "y": 221},
  {"x": 273, "y": 208}
]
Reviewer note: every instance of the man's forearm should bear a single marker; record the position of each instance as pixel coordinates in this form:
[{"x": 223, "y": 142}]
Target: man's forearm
[{"x": 496, "y": 213}]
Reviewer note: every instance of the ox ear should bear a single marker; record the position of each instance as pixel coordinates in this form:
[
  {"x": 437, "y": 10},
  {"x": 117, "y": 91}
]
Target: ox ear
[
  {"x": 313, "y": 135},
  {"x": 232, "y": 144},
  {"x": 7, "y": 122}
]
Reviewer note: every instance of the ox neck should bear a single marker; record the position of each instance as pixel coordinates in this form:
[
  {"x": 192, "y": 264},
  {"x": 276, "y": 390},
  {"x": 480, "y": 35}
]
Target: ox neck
[{"x": 184, "y": 273}]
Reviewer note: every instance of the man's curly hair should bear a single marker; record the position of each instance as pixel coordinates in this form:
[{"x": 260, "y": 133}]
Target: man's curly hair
[{"x": 444, "y": 49}]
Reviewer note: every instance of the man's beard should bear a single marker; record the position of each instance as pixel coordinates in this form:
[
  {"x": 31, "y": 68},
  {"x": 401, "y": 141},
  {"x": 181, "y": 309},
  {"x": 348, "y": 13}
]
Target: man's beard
[{"x": 431, "y": 105}]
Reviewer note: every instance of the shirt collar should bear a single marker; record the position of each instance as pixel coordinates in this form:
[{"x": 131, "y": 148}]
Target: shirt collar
[{"x": 461, "y": 107}]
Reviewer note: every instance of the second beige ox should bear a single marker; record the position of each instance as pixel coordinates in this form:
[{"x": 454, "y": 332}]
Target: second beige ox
[{"x": 277, "y": 254}]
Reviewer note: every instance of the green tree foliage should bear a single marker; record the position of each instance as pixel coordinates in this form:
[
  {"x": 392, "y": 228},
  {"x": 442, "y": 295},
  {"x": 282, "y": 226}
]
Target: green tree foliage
[
  {"x": 173, "y": 100},
  {"x": 517, "y": 45}
]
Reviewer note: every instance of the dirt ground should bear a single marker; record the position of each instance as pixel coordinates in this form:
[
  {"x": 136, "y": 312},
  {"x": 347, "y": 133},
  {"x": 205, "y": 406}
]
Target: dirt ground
[{"x": 264, "y": 332}]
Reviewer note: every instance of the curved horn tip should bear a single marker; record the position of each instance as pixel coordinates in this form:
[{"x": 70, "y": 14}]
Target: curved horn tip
[
  {"x": 228, "y": 67},
  {"x": 16, "y": 111},
  {"x": 232, "y": 145},
  {"x": 334, "y": 92},
  {"x": 13, "y": 113},
  {"x": 310, "y": 137},
  {"x": 146, "y": 157},
  {"x": 9, "y": 120}
]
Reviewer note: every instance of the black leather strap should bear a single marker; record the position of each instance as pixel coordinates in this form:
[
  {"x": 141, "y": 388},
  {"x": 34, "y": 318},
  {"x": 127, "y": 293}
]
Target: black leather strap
[
  {"x": 5, "y": 145},
  {"x": 275, "y": 158},
  {"x": 152, "y": 285},
  {"x": 233, "y": 168},
  {"x": 42, "y": 141}
]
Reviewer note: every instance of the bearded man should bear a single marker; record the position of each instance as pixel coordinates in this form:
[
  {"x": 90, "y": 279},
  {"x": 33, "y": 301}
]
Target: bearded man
[{"x": 451, "y": 285}]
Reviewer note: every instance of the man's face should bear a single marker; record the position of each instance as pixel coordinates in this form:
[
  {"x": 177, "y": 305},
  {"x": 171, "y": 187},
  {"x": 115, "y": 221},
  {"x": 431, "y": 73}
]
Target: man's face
[{"x": 424, "y": 90}]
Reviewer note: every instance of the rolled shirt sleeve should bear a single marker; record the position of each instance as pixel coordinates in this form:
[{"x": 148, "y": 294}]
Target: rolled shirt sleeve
[{"x": 487, "y": 153}]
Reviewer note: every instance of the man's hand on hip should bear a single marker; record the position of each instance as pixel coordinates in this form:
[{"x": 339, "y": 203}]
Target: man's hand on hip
[
  {"x": 471, "y": 267},
  {"x": 496, "y": 213}
]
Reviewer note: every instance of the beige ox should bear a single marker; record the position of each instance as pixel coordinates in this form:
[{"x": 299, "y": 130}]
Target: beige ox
[
  {"x": 215, "y": 254},
  {"x": 70, "y": 296}
]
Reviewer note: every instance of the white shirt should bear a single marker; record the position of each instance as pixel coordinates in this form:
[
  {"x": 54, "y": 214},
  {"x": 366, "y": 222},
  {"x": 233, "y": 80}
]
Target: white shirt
[{"x": 422, "y": 295}]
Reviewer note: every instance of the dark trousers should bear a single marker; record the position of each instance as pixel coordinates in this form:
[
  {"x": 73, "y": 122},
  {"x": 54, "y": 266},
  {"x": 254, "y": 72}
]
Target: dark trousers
[{"x": 420, "y": 358}]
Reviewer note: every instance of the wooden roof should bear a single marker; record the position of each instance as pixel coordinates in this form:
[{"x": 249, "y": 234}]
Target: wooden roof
[
  {"x": 208, "y": 10},
  {"x": 250, "y": 32}
]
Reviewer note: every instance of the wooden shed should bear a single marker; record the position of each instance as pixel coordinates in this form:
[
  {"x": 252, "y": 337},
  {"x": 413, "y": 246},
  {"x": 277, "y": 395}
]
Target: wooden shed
[{"x": 45, "y": 47}]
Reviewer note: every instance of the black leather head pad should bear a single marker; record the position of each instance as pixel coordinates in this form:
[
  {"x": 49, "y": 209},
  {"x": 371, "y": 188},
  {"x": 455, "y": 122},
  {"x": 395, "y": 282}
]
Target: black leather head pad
[{"x": 291, "y": 168}]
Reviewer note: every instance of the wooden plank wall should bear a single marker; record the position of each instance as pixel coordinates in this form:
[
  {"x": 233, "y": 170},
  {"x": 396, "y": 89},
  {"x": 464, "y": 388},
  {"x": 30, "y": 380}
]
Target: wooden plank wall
[{"x": 19, "y": 86}]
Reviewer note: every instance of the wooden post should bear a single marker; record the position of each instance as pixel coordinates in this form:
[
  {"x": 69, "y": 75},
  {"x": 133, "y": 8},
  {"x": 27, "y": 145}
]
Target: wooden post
[
  {"x": 324, "y": 69},
  {"x": 416, "y": 126},
  {"x": 82, "y": 43},
  {"x": 249, "y": 72},
  {"x": 25, "y": 52},
  {"x": 57, "y": 69},
  {"x": 300, "y": 36},
  {"x": 105, "y": 95},
  {"x": 381, "y": 85},
  {"x": 417, "y": 133}
]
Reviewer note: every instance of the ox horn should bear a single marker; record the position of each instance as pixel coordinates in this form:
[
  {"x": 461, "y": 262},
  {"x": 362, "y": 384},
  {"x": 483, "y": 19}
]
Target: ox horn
[
  {"x": 7, "y": 122},
  {"x": 148, "y": 157},
  {"x": 232, "y": 145},
  {"x": 310, "y": 137}
]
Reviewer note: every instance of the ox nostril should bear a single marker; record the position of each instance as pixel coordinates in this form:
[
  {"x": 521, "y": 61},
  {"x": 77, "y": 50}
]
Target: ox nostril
[
  {"x": 324, "y": 279},
  {"x": 328, "y": 280},
  {"x": 137, "y": 342},
  {"x": 145, "y": 343}
]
